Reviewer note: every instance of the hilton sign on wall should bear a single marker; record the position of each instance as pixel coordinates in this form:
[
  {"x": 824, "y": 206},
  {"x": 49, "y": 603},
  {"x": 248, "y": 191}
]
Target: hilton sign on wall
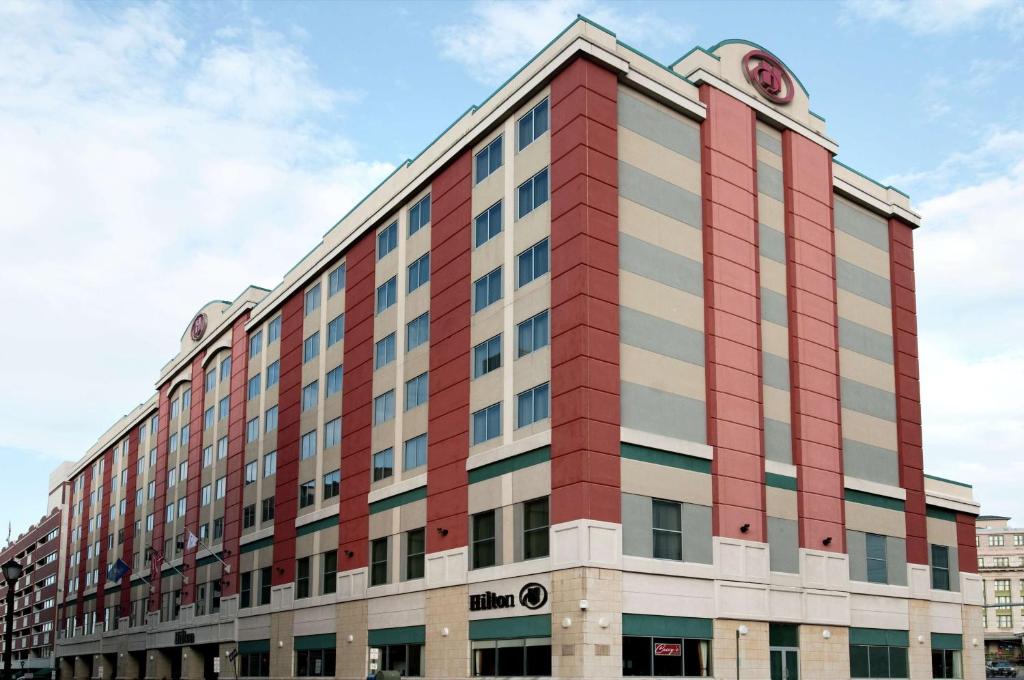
[{"x": 510, "y": 597}]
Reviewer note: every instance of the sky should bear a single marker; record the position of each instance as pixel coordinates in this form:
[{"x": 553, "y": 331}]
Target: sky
[{"x": 154, "y": 157}]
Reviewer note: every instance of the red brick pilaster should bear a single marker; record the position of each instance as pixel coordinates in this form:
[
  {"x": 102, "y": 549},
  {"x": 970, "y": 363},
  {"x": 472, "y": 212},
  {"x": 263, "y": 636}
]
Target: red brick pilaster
[
  {"x": 160, "y": 501},
  {"x": 732, "y": 316},
  {"x": 128, "y": 546},
  {"x": 286, "y": 488},
  {"x": 236, "y": 452},
  {"x": 194, "y": 479},
  {"x": 104, "y": 508}
]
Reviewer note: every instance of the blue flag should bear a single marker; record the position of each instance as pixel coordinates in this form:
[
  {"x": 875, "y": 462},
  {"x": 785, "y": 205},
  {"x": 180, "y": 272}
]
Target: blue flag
[{"x": 118, "y": 570}]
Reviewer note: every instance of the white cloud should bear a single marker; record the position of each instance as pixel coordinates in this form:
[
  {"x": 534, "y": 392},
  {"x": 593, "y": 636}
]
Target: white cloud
[
  {"x": 497, "y": 38},
  {"x": 145, "y": 170},
  {"x": 971, "y": 313},
  {"x": 928, "y": 17}
]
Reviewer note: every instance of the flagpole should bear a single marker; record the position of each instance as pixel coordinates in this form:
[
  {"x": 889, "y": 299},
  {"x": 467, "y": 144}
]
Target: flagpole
[{"x": 227, "y": 567}]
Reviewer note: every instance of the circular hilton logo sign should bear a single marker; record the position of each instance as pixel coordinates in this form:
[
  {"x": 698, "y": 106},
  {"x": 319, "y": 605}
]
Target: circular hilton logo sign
[
  {"x": 768, "y": 76},
  {"x": 198, "y": 327}
]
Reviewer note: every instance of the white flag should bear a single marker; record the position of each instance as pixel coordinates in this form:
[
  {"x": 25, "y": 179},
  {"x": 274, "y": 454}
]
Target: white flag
[{"x": 193, "y": 541}]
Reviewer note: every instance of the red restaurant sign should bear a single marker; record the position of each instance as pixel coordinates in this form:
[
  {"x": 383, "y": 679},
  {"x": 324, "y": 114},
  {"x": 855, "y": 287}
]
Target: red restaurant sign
[{"x": 667, "y": 649}]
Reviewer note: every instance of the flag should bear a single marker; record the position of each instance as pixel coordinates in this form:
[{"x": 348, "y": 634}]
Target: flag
[
  {"x": 192, "y": 542},
  {"x": 117, "y": 570},
  {"x": 156, "y": 557}
]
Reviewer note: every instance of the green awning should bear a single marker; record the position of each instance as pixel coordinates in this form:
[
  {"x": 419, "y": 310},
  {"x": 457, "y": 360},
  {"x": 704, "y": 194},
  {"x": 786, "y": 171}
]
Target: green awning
[
  {"x": 538, "y": 625},
  {"x": 667, "y": 626},
  {"x": 402, "y": 635}
]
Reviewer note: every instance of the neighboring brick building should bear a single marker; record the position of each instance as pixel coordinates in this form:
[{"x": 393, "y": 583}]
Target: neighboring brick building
[
  {"x": 673, "y": 393},
  {"x": 1001, "y": 565},
  {"x": 37, "y": 592}
]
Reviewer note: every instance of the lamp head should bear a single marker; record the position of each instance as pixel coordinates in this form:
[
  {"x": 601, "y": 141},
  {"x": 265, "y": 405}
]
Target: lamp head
[{"x": 12, "y": 570}]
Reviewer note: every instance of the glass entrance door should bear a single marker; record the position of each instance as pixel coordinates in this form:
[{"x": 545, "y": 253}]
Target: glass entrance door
[{"x": 785, "y": 663}]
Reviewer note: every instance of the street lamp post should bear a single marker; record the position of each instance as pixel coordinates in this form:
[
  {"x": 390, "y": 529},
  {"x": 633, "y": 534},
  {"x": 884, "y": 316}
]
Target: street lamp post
[{"x": 12, "y": 572}]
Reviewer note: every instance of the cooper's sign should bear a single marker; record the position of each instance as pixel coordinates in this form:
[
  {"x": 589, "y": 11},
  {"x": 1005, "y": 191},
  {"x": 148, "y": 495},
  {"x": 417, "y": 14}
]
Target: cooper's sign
[
  {"x": 198, "y": 327},
  {"x": 668, "y": 649},
  {"x": 531, "y": 596},
  {"x": 768, "y": 76}
]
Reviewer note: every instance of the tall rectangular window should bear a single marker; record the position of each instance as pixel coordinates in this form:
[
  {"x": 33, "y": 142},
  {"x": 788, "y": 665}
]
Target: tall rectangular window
[
  {"x": 535, "y": 528},
  {"x": 876, "y": 558},
  {"x": 667, "y": 528},
  {"x": 415, "y": 454},
  {"x": 533, "y": 124},
  {"x": 311, "y": 347},
  {"x": 252, "y": 430},
  {"x": 378, "y": 561},
  {"x": 419, "y": 215},
  {"x": 487, "y": 290},
  {"x": 251, "y": 472},
  {"x": 419, "y": 272},
  {"x": 383, "y": 464},
  {"x": 251, "y": 392},
  {"x": 488, "y": 159},
  {"x": 249, "y": 516},
  {"x": 225, "y": 369},
  {"x": 384, "y": 351},
  {"x": 245, "y": 591},
  {"x": 266, "y": 581},
  {"x": 387, "y": 294},
  {"x": 270, "y": 419},
  {"x": 224, "y": 408},
  {"x": 222, "y": 448},
  {"x": 336, "y": 280},
  {"x": 274, "y": 329},
  {"x": 417, "y": 332},
  {"x": 273, "y": 374},
  {"x": 487, "y": 423},
  {"x": 533, "y": 193},
  {"x": 302, "y": 577},
  {"x": 329, "y": 572},
  {"x": 332, "y": 484},
  {"x": 267, "y": 509},
  {"x": 336, "y": 330},
  {"x": 416, "y": 391},
  {"x": 255, "y": 344},
  {"x": 487, "y": 225},
  {"x": 332, "y": 433},
  {"x": 940, "y": 567},
  {"x": 221, "y": 487},
  {"x": 487, "y": 356},
  {"x": 312, "y": 299},
  {"x": 484, "y": 540},
  {"x": 387, "y": 240},
  {"x": 270, "y": 464},
  {"x": 415, "y": 551},
  {"x": 307, "y": 445},
  {"x": 533, "y": 262},
  {"x": 384, "y": 407},
  {"x": 307, "y": 494},
  {"x": 310, "y": 395},
  {"x": 334, "y": 377},
  {"x": 532, "y": 405},
  {"x": 211, "y": 381},
  {"x": 205, "y": 495}
]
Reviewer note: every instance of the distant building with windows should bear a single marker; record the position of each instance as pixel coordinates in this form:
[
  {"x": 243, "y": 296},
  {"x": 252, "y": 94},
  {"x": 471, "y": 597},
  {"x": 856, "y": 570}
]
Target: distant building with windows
[
  {"x": 619, "y": 369},
  {"x": 1001, "y": 566}
]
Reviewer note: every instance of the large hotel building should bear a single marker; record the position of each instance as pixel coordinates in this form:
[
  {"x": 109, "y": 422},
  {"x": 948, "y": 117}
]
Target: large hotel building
[{"x": 618, "y": 377}]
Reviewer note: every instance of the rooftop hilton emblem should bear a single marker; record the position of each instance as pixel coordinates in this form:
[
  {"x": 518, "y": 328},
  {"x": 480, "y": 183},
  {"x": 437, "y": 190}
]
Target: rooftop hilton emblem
[
  {"x": 531, "y": 596},
  {"x": 768, "y": 76},
  {"x": 198, "y": 327}
]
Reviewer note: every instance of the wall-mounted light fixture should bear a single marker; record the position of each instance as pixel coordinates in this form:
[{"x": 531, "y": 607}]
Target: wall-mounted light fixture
[
  {"x": 827, "y": 540},
  {"x": 442, "y": 531},
  {"x": 745, "y": 528}
]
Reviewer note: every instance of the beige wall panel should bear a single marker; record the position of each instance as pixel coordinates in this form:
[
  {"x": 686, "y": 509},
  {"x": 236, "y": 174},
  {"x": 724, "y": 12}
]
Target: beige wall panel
[
  {"x": 418, "y": 301},
  {"x": 487, "y": 323},
  {"x": 531, "y": 301},
  {"x": 657, "y": 299},
  {"x": 414, "y": 422},
  {"x": 862, "y": 517},
  {"x": 773, "y": 275},
  {"x": 659, "y": 481},
  {"x": 381, "y": 523},
  {"x": 485, "y": 495},
  {"x": 531, "y": 228},
  {"x": 416, "y": 361},
  {"x": 862, "y": 254},
  {"x": 664, "y": 373},
  {"x": 412, "y": 515},
  {"x": 660, "y": 161},
  {"x": 771, "y": 212},
  {"x": 865, "y": 312},
  {"x": 777, "y": 404},
  {"x": 660, "y": 230},
  {"x": 489, "y": 256},
  {"x": 941, "y": 532},
  {"x": 532, "y": 159},
  {"x": 869, "y": 430},
  {"x": 769, "y": 158},
  {"x": 485, "y": 390},
  {"x": 867, "y": 370},
  {"x": 531, "y": 370},
  {"x": 774, "y": 339},
  {"x": 781, "y": 503}
]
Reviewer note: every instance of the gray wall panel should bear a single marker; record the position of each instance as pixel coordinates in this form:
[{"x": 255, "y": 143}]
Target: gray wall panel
[
  {"x": 697, "y": 533},
  {"x": 872, "y": 463},
  {"x": 896, "y": 560},
  {"x": 648, "y": 260},
  {"x": 856, "y": 548},
  {"x": 637, "y": 534},
  {"x": 766, "y": 141},
  {"x": 660, "y": 196},
  {"x": 769, "y": 181},
  {"x": 864, "y": 340},
  {"x": 859, "y": 224},
  {"x": 776, "y": 371},
  {"x": 778, "y": 441},
  {"x": 672, "y": 415},
  {"x": 773, "y": 307},
  {"x": 862, "y": 398},
  {"x": 657, "y": 335},
  {"x": 861, "y": 282},
  {"x": 659, "y": 126},
  {"x": 772, "y": 243},
  {"x": 783, "y": 545}
]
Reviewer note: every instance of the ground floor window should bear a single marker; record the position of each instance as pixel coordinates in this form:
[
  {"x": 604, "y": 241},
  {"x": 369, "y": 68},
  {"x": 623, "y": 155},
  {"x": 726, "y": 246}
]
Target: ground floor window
[
  {"x": 946, "y": 663},
  {"x": 666, "y": 656},
  {"x": 254, "y": 664},
  {"x": 317, "y": 663},
  {"x": 512, "y": 658},
  {"x": 878, "y": 661},
  {"x": 406, "y": 659}
]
